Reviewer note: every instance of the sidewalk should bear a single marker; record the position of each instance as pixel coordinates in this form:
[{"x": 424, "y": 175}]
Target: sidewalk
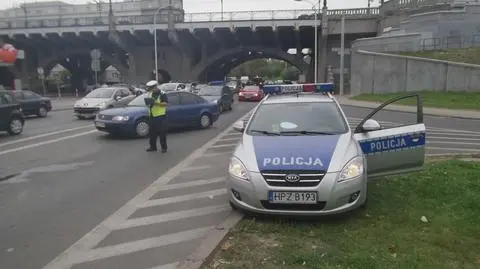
[{"x": 453, "y": 113}]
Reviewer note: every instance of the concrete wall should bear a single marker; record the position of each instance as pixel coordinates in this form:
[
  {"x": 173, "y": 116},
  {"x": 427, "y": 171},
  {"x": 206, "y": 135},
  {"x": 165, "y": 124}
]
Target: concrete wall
[
  {"x": 373, "y": 72},
  {"x": 392, "y": 42}
]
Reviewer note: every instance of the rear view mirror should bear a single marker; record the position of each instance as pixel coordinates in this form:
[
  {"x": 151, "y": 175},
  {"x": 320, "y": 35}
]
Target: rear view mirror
[
  {"x": 239, "y": 126},
  {"x": 371, "y": 125}
]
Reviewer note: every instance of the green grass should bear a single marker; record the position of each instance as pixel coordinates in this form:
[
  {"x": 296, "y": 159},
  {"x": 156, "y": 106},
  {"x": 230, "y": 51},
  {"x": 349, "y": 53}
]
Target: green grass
[
  {"x": 388, "y": 234},
  {"x": 469, "y": 55},
  {"x": 450, "y": 100}
]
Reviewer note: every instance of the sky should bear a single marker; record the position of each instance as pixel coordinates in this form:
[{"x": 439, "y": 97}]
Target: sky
[{"x": 192, "y": 6}]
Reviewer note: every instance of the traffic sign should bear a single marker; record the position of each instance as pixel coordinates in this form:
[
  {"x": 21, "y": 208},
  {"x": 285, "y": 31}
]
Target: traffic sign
[
  {"x": 40, "y": 71},
  {"x": 95, "y": 65},
  {"x": 95, "y": 54}
]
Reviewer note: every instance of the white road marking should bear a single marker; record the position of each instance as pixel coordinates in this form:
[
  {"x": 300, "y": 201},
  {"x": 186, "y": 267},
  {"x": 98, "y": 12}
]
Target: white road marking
[
  {"x": 458, "y": 133},
  {"x": 46, "y": 142},
  {"x": 452, "y": 138},
  {"x": 191, "y": 183},
  {"x": 81, "y": 251},
  {"x": 43, "y": 135},
  {"x": 453, "y": 149},
  {"x": 167, "y": 266},
  {"x": 183, "y": 198},
  {"x": 215, "y": 154},
  {"x": 223, "y": 146},
  {"x": 229, "y": 139},
  {"x": 144, "y": 221},
  {"x": 135, "y": 246},
  {"x": 200, "y": 167},
  {"x": 451, "y": 143}
]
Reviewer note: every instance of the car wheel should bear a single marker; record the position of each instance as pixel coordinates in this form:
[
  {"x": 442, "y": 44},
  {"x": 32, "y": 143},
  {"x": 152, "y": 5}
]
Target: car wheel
[
  {"x": 205, "y": 121},
  {"x": 142, "y": 128},
  {"x": 15, "y": 126},
  {"x": 42, "y": 112},
  {"x": 220, "y": 105},
  {"x": 230, "y": 106}
]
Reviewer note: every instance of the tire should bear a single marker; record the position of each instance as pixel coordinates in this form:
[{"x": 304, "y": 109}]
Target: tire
[
  {"x": 142, "y": 128},
  {"x": 42, "y": 112},
  {"x": 205, "y": 121},
  {"x": 220, "y": 107},
  {"x": 15, "y": 127},
  {"x": 230, "y": 106}
]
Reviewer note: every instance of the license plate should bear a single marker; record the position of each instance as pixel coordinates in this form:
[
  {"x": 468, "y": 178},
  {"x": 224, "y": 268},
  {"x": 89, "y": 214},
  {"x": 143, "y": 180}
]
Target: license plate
[
  {"x": 100, "y": 124},
  {"x": 292, "y": 197}
]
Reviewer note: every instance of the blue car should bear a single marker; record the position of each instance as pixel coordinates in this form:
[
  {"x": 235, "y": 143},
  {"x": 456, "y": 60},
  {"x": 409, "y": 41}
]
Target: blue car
[{"x": 184, "y": 110}]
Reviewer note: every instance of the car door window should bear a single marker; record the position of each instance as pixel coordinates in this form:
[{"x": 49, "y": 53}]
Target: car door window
[
  {"x": 190, "y": 99},
  {"x": 173, "y": 99}
]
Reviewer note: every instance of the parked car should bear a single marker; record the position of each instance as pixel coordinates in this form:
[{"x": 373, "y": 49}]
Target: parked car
[
  {"x": 251, "y": 93},
  {"x": 11, "y": 116},
  {"x": 220, "y": 95},
  {"x": 184, "y": 110},
  {"x": 172, "y": 87},
  {"x": 102, "y": 98},
  {"x": 33, "y": 104}
]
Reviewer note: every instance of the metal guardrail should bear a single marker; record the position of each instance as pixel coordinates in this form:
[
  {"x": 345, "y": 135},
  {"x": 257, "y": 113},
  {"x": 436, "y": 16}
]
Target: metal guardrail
[
  {"x": 450, "y": 42},
  {"x": 267, "y": 15}
]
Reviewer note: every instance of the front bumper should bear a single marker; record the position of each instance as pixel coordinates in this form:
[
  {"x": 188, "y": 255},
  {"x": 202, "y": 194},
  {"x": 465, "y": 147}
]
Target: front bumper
[
  {"x": 86, "y": 112},
  {"x": 114, "y": 127},
  {"x": 333, "y": 197},
  {"x": 249, "y": 98}
]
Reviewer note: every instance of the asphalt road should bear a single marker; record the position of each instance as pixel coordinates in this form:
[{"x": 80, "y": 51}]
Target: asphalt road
[
  {"x": 55, "y": 188},
  {"x": 79, "y": 199}
]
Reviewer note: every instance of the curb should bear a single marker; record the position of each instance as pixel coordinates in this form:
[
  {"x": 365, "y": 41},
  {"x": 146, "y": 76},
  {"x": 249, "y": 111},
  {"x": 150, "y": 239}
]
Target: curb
[
  {"x": 424, "y": 113},
  {"x": 210, "y": 244}
]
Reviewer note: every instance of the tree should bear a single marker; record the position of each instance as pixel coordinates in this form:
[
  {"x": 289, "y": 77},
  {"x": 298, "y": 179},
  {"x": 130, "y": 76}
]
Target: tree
[
  {"x": 266, "y": 68},
  {"x": 291, "y": 73}
]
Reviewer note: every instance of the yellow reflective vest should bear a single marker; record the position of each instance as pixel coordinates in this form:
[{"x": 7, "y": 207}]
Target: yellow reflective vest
[{"x": 157, "y": 110}]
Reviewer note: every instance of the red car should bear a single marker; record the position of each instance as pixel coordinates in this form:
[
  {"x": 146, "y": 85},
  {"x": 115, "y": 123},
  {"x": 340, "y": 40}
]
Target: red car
[{"x": 251, "y": 93}]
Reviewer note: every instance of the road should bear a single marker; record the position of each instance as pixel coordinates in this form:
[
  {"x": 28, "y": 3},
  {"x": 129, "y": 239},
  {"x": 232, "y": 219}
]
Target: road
[{"x": 80, "y": 199}]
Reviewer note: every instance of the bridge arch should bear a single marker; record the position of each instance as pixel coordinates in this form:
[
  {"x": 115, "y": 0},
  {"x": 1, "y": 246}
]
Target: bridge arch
[
  {"x": 244, "y": 54},
  {"x": 49, "y": 62}
]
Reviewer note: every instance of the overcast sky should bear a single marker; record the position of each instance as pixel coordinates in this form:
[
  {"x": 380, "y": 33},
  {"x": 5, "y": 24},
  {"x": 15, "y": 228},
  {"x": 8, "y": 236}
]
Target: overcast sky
[{"x": 228, "y": 5}]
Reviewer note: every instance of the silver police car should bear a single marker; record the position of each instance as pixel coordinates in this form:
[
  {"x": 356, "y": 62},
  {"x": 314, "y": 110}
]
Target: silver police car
[{"x": 298, "y": 156}]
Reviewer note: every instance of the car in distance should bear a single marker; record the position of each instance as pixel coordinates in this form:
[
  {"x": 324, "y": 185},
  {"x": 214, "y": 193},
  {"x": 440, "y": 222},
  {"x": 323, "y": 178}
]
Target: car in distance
[
  {"x": 251, "y": 93},
  {"x": 306, "y": 160},
  {"x": 11, "y": 116},
  {"x": 101, "y": 98},
  {"x": 184, "y": 110},
  {"x": 33, "y": 104},
  {"x": 220, "y": 95}
]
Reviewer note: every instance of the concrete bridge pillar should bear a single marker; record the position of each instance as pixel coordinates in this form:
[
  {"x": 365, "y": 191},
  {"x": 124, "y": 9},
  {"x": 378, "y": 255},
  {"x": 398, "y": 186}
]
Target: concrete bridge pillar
[{"x": 322, "y": 47}]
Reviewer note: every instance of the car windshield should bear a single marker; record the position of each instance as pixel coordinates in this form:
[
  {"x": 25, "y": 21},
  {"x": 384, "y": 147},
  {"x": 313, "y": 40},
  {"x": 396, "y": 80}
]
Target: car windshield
[
  {"x": 210, "y": 91},
  {"x": 139, "y": 100},
  {"x": 169, "y": 87},
  {"x": 306, "y": 118},
  {"x": 251, "y": 88},
  {"x": 101, "y": 93}
]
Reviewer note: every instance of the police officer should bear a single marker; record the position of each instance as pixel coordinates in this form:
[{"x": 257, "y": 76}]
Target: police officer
[{"x": 158, "y": 116}]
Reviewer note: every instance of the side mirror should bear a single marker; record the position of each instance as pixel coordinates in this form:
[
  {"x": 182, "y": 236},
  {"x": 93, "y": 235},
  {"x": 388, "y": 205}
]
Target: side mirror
[
  {"x": 239, "y": 126},
  {"x": 371, "y": 125}
]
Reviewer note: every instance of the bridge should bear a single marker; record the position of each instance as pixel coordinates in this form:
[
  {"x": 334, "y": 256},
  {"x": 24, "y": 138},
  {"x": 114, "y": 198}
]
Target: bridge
[{"x": 198, "y": 46}]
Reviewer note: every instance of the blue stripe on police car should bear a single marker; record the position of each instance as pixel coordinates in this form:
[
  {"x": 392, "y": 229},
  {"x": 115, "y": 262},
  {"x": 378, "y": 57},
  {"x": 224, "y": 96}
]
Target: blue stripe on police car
[
  {"x": 294, "y": 152},
  {"x": 393, "y": 143}
]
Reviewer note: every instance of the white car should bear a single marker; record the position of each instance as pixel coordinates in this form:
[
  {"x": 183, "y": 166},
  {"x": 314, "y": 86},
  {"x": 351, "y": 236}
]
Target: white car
[{"x": 99, "y": 99}]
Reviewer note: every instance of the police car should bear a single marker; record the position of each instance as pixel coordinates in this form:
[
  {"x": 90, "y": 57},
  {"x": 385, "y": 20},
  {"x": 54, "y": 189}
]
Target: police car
[{"x": 298, "y": 156}]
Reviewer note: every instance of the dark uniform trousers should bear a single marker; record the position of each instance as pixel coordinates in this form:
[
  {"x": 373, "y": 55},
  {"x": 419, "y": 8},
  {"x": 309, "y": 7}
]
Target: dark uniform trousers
[{"x": 158, "y": 128}]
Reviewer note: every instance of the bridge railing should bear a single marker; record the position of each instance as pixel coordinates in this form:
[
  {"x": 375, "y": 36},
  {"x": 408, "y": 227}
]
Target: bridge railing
[
  {"x": 412, "y": 4},
  {"x": 267, "y": 15}
]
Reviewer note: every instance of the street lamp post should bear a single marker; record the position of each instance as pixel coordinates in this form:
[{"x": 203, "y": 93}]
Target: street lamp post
[
  {"x": 316, "y": 9},
  {"x": 342, "y": 55},
  {"x": 221, "y": 3}
]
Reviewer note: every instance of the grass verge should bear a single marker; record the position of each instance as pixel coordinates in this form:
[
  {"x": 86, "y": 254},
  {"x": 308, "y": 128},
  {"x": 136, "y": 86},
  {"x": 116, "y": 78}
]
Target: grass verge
[
  {"x": 451, "y": 100},
  {"x": 466, "y": 55},
  {"x": 418, "y": 221}
]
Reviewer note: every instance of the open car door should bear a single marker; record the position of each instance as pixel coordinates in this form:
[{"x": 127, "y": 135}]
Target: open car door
[{"x": 393, "y": 150}]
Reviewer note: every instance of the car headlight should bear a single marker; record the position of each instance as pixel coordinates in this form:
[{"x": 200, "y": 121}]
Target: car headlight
[
  {"x": 101, "y": 105},
  {"x": 352, "y": 169},
  {"x": 237, "y": 169},
  {"x": 121, "y": 118},
  {"x": 215, "y": 101}
]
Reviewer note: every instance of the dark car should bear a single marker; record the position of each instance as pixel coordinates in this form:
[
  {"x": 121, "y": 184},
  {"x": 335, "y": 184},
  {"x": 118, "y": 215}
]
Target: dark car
[
  {"x": 11, "y": 116},
  {"x": 220, "y": 95},
  {"x": 184, "y": 110},
  {"x": 33, "y": 104}
]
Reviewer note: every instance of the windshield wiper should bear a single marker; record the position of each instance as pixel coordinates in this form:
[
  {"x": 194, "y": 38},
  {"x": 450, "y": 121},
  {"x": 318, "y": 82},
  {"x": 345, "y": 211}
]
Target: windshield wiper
[
  {"x": 264, "y": 132},
  {"x": 304, "y": 132}
]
